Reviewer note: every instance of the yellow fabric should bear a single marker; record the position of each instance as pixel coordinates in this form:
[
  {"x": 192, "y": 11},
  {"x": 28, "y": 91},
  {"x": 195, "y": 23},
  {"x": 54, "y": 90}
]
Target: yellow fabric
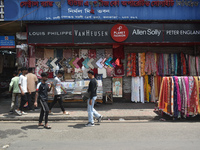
[{"x": 142, "y": 63}]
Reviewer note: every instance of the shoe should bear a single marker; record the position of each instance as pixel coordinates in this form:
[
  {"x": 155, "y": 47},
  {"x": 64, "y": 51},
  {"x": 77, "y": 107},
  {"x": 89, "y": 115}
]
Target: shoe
[
  {"x": 11, "y": 112},
  {"x": 18, "y": 112},
  {"x": 99, "y": 119},
  {"x": 89, "y": 124},
  {"x": 65, "y": 113},
  {"x": 23, "y": 113},
  {"x": 51, "y": 113},
  {"x": 47, "y": 127}
]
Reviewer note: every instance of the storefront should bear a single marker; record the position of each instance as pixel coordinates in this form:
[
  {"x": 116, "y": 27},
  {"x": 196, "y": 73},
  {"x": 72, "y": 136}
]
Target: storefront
[{"x": 114, "y": 39}]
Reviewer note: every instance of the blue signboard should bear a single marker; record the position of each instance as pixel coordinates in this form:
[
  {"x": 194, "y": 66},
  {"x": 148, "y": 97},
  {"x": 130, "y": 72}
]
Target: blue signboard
[
  {"x": 7, "y": 42},
  {"x": 102, "y": 10}
]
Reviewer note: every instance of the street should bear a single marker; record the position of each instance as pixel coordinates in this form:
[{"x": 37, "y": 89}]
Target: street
[{"x": 119, "y": 135}]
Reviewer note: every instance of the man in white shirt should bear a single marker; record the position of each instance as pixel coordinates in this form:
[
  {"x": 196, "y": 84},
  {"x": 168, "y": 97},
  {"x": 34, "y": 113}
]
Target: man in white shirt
[
  {"x": 24, "y": 91},
  {"x": 57, "y": 86}
]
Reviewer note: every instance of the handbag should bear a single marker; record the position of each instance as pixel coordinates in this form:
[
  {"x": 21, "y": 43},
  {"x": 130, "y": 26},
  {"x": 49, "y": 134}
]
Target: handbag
[{"x": 87, "y": 95}]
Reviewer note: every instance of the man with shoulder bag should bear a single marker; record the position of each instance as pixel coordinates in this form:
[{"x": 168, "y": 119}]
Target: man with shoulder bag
[{"x": 92, "y": 93}]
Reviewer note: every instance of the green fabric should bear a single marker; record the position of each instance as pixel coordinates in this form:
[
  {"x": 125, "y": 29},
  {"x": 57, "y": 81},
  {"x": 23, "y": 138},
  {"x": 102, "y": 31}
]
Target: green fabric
[{"x": 14, "y": 84}]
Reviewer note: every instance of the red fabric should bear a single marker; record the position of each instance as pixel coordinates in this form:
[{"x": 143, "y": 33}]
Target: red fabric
[
  {"x": 79, "y": 63},
  {"x": 133, "y": 58},
  {"x": 183, "y": 63},
  {"x": 92, "y": 53},
  {"x": 119, "y": 52},
  {"x": 119, "y": 70},
  {"x": 95, "y": 70}
]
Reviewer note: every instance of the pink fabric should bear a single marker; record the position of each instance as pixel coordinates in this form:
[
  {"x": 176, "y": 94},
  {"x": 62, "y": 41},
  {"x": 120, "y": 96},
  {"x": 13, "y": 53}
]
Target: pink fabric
[
  {"x": 178, "y": 94},
  {"x": 75, "y": 63},
  {"x": 31, "y": 51},
  {"x": 32, "y": 62}
]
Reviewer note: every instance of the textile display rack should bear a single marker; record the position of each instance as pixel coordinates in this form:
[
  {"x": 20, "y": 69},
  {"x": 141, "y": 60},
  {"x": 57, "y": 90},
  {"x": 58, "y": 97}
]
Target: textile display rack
[{"x": 179, "y": 96}]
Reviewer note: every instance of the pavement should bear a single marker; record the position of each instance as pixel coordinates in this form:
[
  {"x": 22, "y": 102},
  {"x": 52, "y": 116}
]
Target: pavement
[{"x": 78, "y": 111}]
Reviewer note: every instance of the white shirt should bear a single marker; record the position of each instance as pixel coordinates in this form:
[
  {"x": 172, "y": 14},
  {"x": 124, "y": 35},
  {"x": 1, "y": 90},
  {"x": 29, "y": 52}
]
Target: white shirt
[
  {"x": 57, "y": 86},
  {"x": 23, "y": 83}
]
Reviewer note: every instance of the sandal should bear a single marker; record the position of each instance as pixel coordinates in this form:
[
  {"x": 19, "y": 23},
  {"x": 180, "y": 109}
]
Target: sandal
[{"x": 47, "y": 127}]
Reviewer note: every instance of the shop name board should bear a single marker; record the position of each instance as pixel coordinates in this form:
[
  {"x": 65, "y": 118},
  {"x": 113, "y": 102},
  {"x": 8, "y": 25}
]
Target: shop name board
[
  {"x": 102, "y": 10},
  {"x": 7, "y": 42},
  {"x": 109, "y": 33}
]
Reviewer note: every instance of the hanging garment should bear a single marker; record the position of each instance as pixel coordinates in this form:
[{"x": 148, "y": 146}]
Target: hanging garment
[
  {"x": 92, "y": 53},
  {"x": 172, "y": 96},
  {"x": 183, "y": 61},
  {"x": 98, "y": 63},
  {"x": 192, "y": 68},
  {"x": 150, "y": 65},
  {"x": 119, "y": 70},
  {"x": 67, "y": 53},
  {"x": 39, "y": 53},
  {"x": 80, "y": 62},
  {"x": 90, "y": 63},
  {"x": 67, "y": 63},
  {"x": 75, "y": 53},
  {"x": 62, "y": 62},
  {"x": 147, "y": 88},
  {"x": 75, "y": 63},
  {"x": 119, "y": 52},
  {"x": 161, "y": 65},
  {"x": 83, "y": 53},
  {"x": 187, "y": 64},
  {"x": 95, "y": 70},
  {"x": 48, "y": 53},
  {"x": 94, "y": 63},
  {"x": 110, "y": 72},
  {"x": 153, "y": 97},
  {"x": 142, "y": 64},
  {"x": 175, "y": 104},
  {"x": 85, "y": 72},
  {"x": 31, "y": 62},
  {"x": 175, "y": 64},
  {"x": 103, "y": 63},
  {"x": 133, "y": 58},
  {"x": 179, "y": 67},
  {"x": 100, "y": 53},
  {"x": 107, "y": 63},
  {"x": 59, "y": 53},
  {"x": 197, "y": 65},
  {"x": 169, "y": 65},
  {"x": 108, "y": 53},
  {"x": 103, "y": 72},
  {"x": 71, "y": 63},
  {"x": 85, "y": 63},
  {"x": 165, "y": 56},
  {"x": 137, "y": 89}
]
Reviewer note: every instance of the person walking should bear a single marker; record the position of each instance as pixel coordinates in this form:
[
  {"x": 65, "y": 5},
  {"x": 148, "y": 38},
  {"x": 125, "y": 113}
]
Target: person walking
[
  {"x": 31, "y": 85},
  {"x": 24, "y": 91},
  {"x": 42, "y": 95},
  {"x": 90, "y": 103},
  {"x": 16, "y": 94},
  {"x": 57, "y": 86}
]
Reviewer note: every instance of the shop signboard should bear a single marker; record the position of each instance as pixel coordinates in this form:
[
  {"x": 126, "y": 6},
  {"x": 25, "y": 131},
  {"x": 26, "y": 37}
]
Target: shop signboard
[
  {"x": 101, "y": 10},
  {"x": 7, "y": 42},
  {"x": 113, "y": 33}
]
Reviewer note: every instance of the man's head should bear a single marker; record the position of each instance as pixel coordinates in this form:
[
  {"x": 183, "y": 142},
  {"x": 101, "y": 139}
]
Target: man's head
[
  {"x": 30, "y": 70},
  {"x": 60, "y": 73},
  {"x": 44, "y": 76},
  {"x": 19, "y": 70},
  {"x": 90, "y": 74},
  {"x": 15, "y": 73},
  {"x": 24, "y": 70}
]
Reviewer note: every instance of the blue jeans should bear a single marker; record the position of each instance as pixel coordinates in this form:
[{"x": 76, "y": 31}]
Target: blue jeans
[{"x": 92, "y": 111}]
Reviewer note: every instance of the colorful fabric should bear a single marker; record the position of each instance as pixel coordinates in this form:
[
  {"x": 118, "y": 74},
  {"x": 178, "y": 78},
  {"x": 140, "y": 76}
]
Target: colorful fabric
[
  {"x": 80, "y": 62},
  {"x": 92, "y": 53},
  {"x": 110, "y": 72},
  {"x": 67, "y": 53},
  {"x": 90, "y": 63},
  {"x": 119, "y": 52},
  {"x": 100, "y": 53},
  {"x": 150, "y": 65},
  {"x": 83, "y": 53},
  {"x": 75, "y": 53},
  {"x": 108, "y": 53},
  {"x": 133, "y": 58},
  {"x": 98, "y": 63},
  {"x": 85, "y": 63},
  {"x": 119, "y": 70},
  {"x": 71, "y": 63},
  {"x": 75, "y": 62},
  {"x": 67, "y": 63},
  {"x": 94, "y": 63}
]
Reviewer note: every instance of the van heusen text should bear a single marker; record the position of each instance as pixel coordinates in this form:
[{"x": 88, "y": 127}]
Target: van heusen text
[{"x": 70, "y": 33}]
